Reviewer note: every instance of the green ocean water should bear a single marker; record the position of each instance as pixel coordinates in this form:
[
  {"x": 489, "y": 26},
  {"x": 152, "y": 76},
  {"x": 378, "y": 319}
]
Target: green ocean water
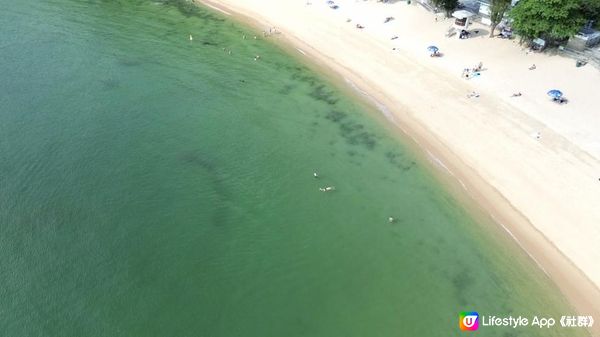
[{"x": 156, "y": 186}]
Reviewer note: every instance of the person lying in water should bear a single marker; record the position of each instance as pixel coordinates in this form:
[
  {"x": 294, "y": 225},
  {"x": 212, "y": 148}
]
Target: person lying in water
[{"x": 326, "y": 189}]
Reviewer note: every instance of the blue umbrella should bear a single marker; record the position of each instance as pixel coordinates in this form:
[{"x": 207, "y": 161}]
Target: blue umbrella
[
  {"x": 555, "y": 93},
  {"x": 330, "y": 2},
  {"x": 433, "y": 49}
]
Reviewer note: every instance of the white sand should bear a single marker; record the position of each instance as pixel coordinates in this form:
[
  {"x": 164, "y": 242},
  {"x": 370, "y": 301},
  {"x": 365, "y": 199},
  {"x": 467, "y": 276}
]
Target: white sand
[{"x": 532, "y": 163}]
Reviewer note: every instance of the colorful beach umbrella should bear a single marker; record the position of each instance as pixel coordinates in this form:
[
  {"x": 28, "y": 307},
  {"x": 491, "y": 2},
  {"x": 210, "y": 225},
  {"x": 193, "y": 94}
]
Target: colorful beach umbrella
[
  {"x": 554, "y": 93},
  {"x": 433, "y": 49}
]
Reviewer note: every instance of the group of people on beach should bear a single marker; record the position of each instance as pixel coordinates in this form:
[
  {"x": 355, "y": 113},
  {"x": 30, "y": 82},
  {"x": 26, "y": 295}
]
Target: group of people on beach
[
  {"x": 559, "y": 100},
  {"x": 472, "y": 72},
  {"x": 272, "y": 31}
]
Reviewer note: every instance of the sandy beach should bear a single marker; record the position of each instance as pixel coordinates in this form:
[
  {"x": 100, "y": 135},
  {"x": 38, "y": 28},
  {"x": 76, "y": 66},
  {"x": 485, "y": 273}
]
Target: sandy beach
[{"x": 533, "y": 165}]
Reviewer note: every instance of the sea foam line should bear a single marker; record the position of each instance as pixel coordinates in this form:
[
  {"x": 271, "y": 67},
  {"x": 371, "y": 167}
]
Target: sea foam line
[
  {"x": 216, "y": 8},
  {"x": 441, "y": 164},
  {"x": 520, "y": 245},
  {"x": 390, "y": 116},
  {"x": 386, "y": 112},
  {"x": 380, "y": 106}
]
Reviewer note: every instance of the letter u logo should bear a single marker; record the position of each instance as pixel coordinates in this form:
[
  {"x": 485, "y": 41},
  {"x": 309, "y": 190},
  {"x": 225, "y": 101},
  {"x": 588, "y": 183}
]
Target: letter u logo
[{"x": 468, "y": 321}]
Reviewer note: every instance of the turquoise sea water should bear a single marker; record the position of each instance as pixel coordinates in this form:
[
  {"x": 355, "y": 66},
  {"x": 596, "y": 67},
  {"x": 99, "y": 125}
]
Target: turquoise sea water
[{"x": 153, "y": 186}]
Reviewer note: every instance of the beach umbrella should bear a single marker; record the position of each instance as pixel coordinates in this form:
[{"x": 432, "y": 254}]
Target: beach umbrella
[
  {"x": 330, "y": 2},
  {"x": 554, "y": 93},
  {"x": 432, "y": 49}
]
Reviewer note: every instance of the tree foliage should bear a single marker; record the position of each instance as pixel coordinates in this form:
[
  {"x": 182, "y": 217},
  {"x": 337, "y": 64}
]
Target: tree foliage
[
  {"x": 497, "y": 10},
  {"x": 550, "y": 19},
  {"x": 591, "y": 10},
  {"x": 447, "y": 5}
]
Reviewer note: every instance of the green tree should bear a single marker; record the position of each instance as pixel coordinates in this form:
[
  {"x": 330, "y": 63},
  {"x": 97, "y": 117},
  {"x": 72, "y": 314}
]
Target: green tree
[
  {"x": 550, "y": 19},
  {"x": 497, "y": 10},
  {"x": 447, "y": 5}
]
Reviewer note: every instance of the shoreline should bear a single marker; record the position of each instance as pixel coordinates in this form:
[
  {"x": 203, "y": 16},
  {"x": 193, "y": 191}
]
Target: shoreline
[{"x": 465, "y": 179}]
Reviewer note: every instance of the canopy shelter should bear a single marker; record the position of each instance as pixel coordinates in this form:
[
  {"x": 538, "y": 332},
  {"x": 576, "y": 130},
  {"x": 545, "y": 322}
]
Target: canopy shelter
[
  {"x": 462, "y": 18},
  {"x": 462, "y": 14}
]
